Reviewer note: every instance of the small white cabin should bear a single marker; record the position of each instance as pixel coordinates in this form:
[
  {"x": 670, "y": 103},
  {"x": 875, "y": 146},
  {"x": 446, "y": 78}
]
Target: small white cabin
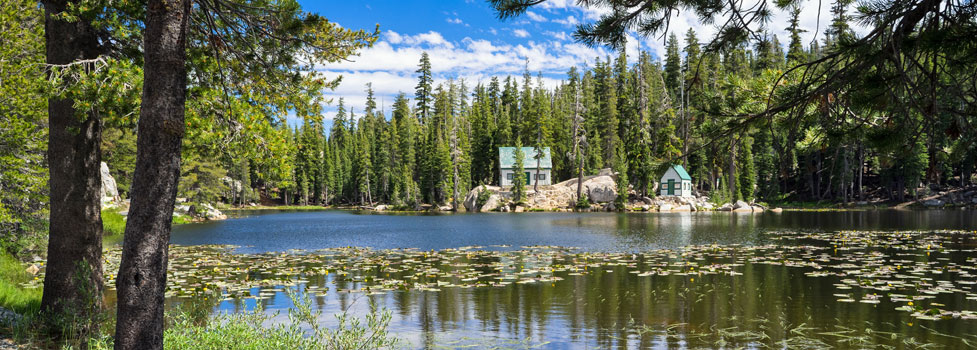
[
  {"x": 507, "y": 166},
  {"x": 675, "y": 182}
]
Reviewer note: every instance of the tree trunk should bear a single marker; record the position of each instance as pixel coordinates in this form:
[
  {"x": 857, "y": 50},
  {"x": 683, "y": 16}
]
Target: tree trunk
[
  {"x": 73, "y": 282},
  {"x": 732, "y": 169},
  {"x": 579, "y": 177},
  {"x": 142, "y": 274},
  {"x": 536, "y": 180},
  {"x": 844, "y": 178},
  {"x": 454, "y": 197},
  {"x": 861, "y": 171}
]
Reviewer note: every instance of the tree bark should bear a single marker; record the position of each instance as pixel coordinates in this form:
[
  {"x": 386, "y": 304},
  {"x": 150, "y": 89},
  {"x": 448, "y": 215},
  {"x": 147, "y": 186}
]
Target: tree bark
[
  {"x": 536, "y": 180},
  {"x": 579, "y": 177},
  {"x": 142, "y": 274},
  {"x": 454, "y": 197},
  {"x": 73, "y": 282},
  {"x": 732, "y": 169}
]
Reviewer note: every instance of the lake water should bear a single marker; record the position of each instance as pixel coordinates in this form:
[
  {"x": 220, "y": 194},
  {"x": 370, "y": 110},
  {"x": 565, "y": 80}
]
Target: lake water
[
  {"x": 266, "y": 231},
  {"x": 605, "y": 280}
]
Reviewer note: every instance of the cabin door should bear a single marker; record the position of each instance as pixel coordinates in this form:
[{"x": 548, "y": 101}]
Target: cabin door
[
  {"x": 527, "y": 178},
  {"x": 671, "y": 187}
]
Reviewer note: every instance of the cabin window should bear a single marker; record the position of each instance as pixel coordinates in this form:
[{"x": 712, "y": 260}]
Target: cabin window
[
  {"x": 541, "y": 177},
  {"x": 508, "y": 176}
]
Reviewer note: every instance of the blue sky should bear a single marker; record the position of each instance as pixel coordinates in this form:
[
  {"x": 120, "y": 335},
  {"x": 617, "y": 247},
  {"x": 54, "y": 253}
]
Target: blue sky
[{"x": 466, "y": 41}]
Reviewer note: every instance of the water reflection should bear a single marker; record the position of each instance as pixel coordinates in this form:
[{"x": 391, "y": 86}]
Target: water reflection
[{"x": 611, "y": 306}]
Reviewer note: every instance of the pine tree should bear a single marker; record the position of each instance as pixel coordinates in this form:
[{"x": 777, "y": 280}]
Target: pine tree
[
  {"x": 673, "y": 65},
  {"x": 422, "y": 92},
  {"x": 519, "y": 177}
]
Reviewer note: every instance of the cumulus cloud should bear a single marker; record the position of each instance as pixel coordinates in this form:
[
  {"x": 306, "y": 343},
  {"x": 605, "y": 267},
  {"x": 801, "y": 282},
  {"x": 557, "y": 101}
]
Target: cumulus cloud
[
  {"x": 454, "y": 20},
  {"x": 391, "y": 64},
  {"x": 569, "y": 21},
  {"x": 562, "y": 36},
  {"x": 535, "y": 16}
]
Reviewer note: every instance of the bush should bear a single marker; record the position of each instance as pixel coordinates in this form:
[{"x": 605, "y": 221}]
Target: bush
[
  {"x": 583, "y": 202},
  {"x": 483, "y": 196}
]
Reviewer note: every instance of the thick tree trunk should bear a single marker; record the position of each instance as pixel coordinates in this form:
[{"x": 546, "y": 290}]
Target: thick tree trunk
[
  {"x": 142, "y": 275},
  {"x": 73, "y": 282}
]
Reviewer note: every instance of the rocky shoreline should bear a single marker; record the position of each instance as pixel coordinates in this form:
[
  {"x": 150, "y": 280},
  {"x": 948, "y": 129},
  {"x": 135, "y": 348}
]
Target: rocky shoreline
[{"x": 601, "y": 193}]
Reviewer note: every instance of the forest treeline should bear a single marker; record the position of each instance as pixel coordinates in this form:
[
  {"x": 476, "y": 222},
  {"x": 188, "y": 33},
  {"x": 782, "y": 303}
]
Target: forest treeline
[{"x": 631, "y": 116}]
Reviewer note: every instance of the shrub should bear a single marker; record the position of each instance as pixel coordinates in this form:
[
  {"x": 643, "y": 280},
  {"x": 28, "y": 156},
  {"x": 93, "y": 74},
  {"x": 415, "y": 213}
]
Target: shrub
[
  {"x": 583, "y": 202},
  {"x": 483, "y": 196}
]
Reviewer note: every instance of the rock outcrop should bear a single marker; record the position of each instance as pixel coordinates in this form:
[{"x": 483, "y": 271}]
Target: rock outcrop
[
  {"x": 109, "y": 191},
  {"x": 601, "y": 189},
  {"x": 201, "y": 211}
]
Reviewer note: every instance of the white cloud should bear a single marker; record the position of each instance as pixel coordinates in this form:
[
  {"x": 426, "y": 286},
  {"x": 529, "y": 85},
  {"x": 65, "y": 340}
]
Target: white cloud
[
  {"x": 454, "y": 20},
  {"x": 393, "y": 37},
  {"x": 391, "y": 64},
  {"x": 556, "y": 4},
  {"x": 535, "y": 16},
  {"x": 562, "y": 36},
  {"x": 569, "y": 21}
]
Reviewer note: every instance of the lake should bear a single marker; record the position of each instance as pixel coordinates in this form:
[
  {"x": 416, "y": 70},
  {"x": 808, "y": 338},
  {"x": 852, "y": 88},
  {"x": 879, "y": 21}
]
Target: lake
[{"x": 807, "y": 279}]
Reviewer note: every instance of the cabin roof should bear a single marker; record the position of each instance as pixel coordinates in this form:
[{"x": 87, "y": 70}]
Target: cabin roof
[
  {"x": 680, "y": 170},
  {"x": 507, "y": 158}
]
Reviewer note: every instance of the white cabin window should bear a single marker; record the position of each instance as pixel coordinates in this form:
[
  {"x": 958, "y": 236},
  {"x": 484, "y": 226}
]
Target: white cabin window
[
  {"x": 508, "y": 176},
  {"x": 541, "y": 177}
]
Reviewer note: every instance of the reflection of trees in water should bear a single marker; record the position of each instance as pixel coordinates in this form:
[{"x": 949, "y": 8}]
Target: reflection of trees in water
[{"x": 609, "y": 309}]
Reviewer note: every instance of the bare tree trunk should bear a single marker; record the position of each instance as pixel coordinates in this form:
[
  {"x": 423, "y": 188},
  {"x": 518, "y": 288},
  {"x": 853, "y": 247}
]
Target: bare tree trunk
[
  {"x": 861, "y": 171},
  {"x": 536, "y": 180},
  {"x": 142, "y": 274},
  {"x": 73, "y": 282},
  {"x": 454, "y": 198},
  {"x": 844, "y": 178},
  {"x": 732, "y": 168}
]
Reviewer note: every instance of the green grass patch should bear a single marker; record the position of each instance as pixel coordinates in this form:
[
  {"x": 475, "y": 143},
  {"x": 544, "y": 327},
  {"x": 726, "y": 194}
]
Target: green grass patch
[
  {"x": 182, "y": 219},
  {"x": 113, "y": 223},
  {"x": 12, "y": 295}
]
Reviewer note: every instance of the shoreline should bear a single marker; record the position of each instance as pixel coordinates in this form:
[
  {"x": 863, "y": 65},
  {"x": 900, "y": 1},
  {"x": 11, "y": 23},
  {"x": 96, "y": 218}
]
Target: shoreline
[{"x": 786, "y": 207}]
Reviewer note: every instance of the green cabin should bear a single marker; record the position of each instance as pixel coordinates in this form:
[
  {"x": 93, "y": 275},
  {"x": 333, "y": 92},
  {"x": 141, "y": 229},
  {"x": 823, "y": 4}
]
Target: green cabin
[{"x": 675, "y": 182}]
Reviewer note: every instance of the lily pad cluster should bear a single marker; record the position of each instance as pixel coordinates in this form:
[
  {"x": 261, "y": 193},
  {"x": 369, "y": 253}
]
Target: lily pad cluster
[{"x": 929, "y": 274}]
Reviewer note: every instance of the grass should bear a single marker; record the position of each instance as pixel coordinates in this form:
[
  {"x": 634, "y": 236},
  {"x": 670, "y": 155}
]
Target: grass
[
  {"x": 113, "y": 223},
  {"x": 187, "y": 329},
  {"x": 12, "y": 295}
]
